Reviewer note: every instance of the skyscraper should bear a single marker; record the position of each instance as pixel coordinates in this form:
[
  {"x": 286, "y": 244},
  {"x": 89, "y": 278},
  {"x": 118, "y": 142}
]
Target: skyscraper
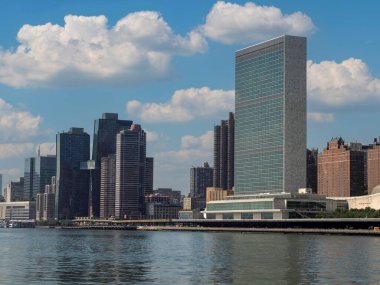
[
  {"x": 224, "y": 148},
  {"x": 312, "y": 170},
  {"x": 29, "y": 174},
  {"x": 72, "y": 183},
  {"x": 104, "y": 143},
  {"x": 107, "y": 186},
  {"x": 270, "y": 108},
  {"x": 130, "y": 172}
]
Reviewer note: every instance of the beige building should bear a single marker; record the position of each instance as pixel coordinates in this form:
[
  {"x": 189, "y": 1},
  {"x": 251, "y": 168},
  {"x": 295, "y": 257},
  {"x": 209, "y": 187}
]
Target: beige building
[
  {"x": 362, "y": 202},
  {"x": 23, "y": 210},
  {"x": 216, "y": 194}
]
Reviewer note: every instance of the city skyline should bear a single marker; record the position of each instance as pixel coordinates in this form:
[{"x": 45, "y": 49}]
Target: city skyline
[{"x": 180, "y": 104}]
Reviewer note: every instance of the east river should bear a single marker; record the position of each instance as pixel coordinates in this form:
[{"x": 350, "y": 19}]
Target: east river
[{"x": 56, "y": 256}]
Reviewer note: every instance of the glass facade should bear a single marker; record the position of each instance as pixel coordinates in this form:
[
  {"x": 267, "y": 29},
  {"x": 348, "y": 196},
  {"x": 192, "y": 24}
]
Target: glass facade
[
  {"x": 240, "y": 206},
  {"x": 260, "y": 121},
  {"x": 270, "y": 127}
]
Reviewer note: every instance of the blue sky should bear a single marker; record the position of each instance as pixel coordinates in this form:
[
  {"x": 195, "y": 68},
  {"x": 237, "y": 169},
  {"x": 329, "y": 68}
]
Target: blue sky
[{"x": 169, "y": 65}]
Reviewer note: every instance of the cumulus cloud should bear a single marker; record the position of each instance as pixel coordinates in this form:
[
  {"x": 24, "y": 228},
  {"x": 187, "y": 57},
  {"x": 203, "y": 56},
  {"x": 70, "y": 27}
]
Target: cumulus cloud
[
  {"x": 151, "y": 136},
  {"x": 185, "y": 105},
  {"x": 174, "y": 166},
  {"x": 46, "y": 148},
  {"x": 320, "y": 117},
  {"x": 204, "y": 141},
  {"x": 15, "y": 149},
  {"x": 344, "y": 83},
  {"x": 16, "y": 124},
  {"x": 139, "y": 47},
  {"x": 233, "y": 23}
]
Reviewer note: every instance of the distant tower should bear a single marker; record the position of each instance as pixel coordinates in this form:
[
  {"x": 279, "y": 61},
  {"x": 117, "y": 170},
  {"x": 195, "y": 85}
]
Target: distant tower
[
  {"x": 200, "y": 179},
  {"x": 270, "y": 114},
  {"x": 107, "y": 186},
  {"x": 104, "y": 144},
  {"x": 130, "y": 172},
  {"x": 224, "y": 148},
  {"x": 72, "y": 183},
  {"x": 29, "y": 176}
]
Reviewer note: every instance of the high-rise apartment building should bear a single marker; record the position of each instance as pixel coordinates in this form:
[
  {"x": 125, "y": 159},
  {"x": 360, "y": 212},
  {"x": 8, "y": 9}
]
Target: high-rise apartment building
[
  {"x": 104, "y": 143},
  {"x": 72, "y": 183},
  {"x": 200, "y": 179},
  {"x": 341, "y": 170},
  {"x": 270, "y": 126},
  {"x": 224, "y": 153},
  {"x": 107, "y": 186},
  {"x": 130, "y": 172},
  {"x": 29, "y": 175}
]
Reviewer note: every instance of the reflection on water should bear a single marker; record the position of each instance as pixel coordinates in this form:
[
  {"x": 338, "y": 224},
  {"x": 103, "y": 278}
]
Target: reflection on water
[{"x": 37, "y": 256}]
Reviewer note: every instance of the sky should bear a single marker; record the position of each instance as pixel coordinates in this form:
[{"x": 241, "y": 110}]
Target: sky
[{"x": 169, "y": 66}]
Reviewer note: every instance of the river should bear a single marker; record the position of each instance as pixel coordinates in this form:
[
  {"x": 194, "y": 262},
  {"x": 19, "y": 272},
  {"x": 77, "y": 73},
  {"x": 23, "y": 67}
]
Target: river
[{"x": 56, "y": 256}]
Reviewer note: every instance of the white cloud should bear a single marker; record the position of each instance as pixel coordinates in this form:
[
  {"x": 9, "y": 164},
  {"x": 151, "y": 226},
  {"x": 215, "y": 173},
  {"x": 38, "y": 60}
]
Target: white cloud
[
  {"x": 320, "y": 117},
  {"x": 185, "y": 105},
  {"x": 16, "y": 149},
  {"x": 340, "y": 84},
  {"x": 139, "y": 47},
  {"x": 46, "y": 148},
  {"x": 204, "y": 141},
  {"x": 151, "y": 136},
  {"x": 233, "y": 23},
  {"x": 16, "y": 124}
]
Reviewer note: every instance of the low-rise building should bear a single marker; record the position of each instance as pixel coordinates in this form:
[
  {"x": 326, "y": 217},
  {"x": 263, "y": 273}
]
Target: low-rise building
[
  {"x": 271, "y": 206},
  {"x": 20, "y": 210}
]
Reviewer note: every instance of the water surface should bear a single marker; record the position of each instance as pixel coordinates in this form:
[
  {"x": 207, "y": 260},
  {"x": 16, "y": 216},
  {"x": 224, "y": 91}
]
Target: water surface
[{"x": 53, "y": 256}]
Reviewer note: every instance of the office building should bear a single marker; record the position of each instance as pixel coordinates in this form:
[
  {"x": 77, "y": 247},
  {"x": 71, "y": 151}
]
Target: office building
[
  {"x": 104, "y": 144},
  {"x": 270, "y": 126},
  {"x": 107, "y": 186},
  {"x": 1, "y": 184},
  {"x": 216, "y": 194},
  {"x": 341, "y": 170},
  {"x": 175, "y": 196},
  {"x": 29, "y": 175},
  {"x": 72, "y": 183},
  {"x": 312, "y": 170},
  {"x": 224, "y": 148},
  {"x": 130, "y": 173}
]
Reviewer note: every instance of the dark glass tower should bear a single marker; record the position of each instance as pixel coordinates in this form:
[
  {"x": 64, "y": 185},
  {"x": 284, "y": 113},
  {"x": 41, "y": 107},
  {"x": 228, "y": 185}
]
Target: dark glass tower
[
  {"x": 45, "y": 169},
  {"x": 72, "y": 183},
  {"x": 130, "y": 173},
  {"x": 29, "y": 175},
  {"x": 270, "y": 109},
  {"x": 224, "y": 156},
  {"x": 104, "y": 144}
]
